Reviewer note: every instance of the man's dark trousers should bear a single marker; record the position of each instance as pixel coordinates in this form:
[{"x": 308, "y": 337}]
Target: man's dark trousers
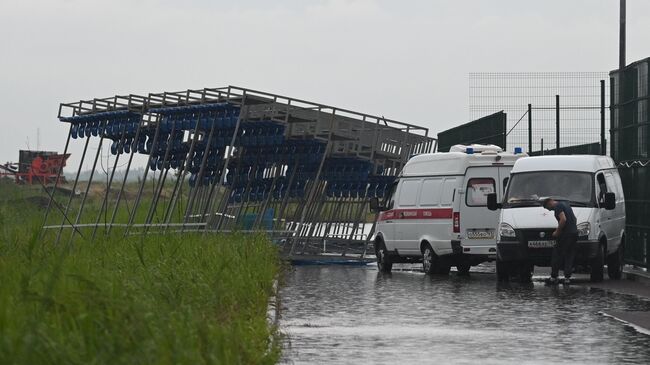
[{"x": 564, "y": 251}]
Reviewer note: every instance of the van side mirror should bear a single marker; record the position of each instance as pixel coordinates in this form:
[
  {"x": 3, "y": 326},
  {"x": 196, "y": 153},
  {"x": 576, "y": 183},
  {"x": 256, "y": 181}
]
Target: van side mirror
[
  {"x": 492, "y": 202},
  {"x": 610, "y": 201},
  {"x": 374, "y": 205}
]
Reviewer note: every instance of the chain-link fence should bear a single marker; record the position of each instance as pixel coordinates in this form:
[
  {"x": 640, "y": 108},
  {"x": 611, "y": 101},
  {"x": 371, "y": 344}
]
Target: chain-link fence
[{"x": 571, "y": 98}]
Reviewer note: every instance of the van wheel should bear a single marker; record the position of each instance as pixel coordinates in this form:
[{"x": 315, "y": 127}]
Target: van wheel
[
  {"x": 384, "y": 263},
  {"x": 615, "y": 263},
  {"x": 428, "y": 260},
  {"x": 503, "y": 271},
  {"x": 597, "y": 266},
  {"x": 432, "y": 264},
  {"x": 463, "y": 268}
]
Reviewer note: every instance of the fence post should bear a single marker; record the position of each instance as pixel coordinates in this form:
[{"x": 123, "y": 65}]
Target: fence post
[
  {"x": 557, "y": 124},
  {"x": 530, "y": 129},
  {"x": 505, "y": 132},
  {"x": 603, "y": 145}
]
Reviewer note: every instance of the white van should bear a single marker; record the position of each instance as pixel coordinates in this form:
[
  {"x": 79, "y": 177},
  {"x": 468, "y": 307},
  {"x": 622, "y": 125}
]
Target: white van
[
  {"x": 436, "y": 212},
  {"x": 590, "y": 184}
]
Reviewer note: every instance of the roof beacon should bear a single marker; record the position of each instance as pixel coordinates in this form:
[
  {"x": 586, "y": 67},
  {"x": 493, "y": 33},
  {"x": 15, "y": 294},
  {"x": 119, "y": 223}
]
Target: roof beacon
[
  {"x": 518, "y": 150},
  {"x": 476, "y": 148}
]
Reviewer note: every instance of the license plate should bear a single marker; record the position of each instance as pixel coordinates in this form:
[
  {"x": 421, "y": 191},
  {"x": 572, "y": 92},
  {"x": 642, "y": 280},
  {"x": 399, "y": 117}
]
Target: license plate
[
  {"x": 541, "y": 244},
  {"x": 480, "y": 234}
]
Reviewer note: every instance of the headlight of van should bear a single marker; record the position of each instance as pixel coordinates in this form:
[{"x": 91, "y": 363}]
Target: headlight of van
[
  {"x": 506, "y": 230},
  {"x": 584, "y": 229}
]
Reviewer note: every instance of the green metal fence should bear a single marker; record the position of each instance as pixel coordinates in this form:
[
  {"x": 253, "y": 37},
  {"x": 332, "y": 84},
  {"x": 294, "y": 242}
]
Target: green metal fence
[
  {"x": 637, "y": 206},
  {"x": 490, "y": 129},
  {"x": 629, "y": 148},
  {"x": 581, "y": 149}
]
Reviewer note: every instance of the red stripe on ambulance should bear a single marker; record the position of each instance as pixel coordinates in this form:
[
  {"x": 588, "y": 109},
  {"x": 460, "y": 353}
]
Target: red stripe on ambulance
[{"x": 435, "y": 213}]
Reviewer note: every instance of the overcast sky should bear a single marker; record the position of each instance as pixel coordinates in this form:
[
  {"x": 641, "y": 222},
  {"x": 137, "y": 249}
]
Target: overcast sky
[{"x": 406, "y": 60}]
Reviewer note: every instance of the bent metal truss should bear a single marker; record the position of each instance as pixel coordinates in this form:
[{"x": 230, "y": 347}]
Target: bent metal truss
[{"x": 225, "y": 159}]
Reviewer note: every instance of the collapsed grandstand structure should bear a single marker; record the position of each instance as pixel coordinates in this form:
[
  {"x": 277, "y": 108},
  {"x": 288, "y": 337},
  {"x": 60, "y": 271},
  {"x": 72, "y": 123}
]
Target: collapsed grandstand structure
[{"x": 230, "y": 158}]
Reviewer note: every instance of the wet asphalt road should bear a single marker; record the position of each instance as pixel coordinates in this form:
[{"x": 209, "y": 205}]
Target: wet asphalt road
[{"x": 355, "y": 315}]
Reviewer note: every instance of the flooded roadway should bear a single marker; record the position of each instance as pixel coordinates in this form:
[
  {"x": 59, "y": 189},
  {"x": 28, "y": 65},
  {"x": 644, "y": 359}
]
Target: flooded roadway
[{"x": 337, "y": 314}]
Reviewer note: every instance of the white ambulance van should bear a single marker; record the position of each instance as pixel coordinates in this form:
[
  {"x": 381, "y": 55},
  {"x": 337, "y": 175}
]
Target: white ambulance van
[
  {"x": 436, "y": 212},
  {"x": 592, "y": 187}
]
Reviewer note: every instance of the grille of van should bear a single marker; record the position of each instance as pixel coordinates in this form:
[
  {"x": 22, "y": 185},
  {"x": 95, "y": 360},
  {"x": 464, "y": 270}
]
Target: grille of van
[{"x": 535, "y": 234}]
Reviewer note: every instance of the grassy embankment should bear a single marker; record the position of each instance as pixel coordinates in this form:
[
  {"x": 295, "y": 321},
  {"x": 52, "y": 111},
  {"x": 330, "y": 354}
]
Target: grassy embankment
[{"x": 134, "y": 300}]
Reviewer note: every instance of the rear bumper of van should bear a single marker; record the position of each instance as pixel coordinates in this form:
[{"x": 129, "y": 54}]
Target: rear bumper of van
[
  {"x": 519, "y": 251},
  {"x": 475, "y": 254}
]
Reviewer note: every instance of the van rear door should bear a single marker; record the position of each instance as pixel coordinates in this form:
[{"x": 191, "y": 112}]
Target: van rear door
[
  {"x": 477, "y": 223},
  {"x": 386, "y": 221},
  {"x": 406, "y": 216}
]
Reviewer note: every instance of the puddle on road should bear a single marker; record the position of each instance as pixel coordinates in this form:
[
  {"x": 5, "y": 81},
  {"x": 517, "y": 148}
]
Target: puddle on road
[{"x": 334, "y": 314}]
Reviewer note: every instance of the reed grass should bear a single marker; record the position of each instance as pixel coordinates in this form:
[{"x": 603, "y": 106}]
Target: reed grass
[{"x": 173, "y": 299}]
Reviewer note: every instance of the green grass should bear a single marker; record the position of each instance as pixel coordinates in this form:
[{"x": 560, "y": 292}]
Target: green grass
[{"x": 171, "y": 299}]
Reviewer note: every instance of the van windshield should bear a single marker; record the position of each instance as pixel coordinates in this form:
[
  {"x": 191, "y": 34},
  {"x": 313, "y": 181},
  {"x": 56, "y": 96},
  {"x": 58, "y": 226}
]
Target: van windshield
[{"x": 526, "y": 189}]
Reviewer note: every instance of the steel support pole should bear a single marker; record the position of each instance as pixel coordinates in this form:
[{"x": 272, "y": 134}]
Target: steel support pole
[
  {"x": 303, "y": 204},
  {"x": 74, "y": 187},
  {"x": 275, "y": 172},
  {"x": 359, "y": 217},
  {"x": 183, "y": 172},
  {"x": 56, "y": 182},
  {"x": 126, "y": 175},
  {"x": 303, "y": 233},
  {"x": 178, "y": 189},
  {"x": 374, "y": 146},
  {"x": 160, "y": 184},
  {"x": 313, "y": 211},
  {"x": 108, "y": 187},
  {"x": 170, "y": 206},
  {"x": 320, "y": 168},
  {"x": 246, "y": 201},
  {"x": 404, "y": 150},
  {"x": 215, "y": 183},
  {"x": 199, "y": 178},
  {"x": 530, "y": 128},
  {"x": 603, "y": 143},
  {"x": 138, "y": 197},
  {"x": 286, "y": 198},
  {"x": 369, "y": 236},
  {"x": 621, "y": 50},
  {"x": 557, "y": 124},
  {"x": 90, "y": 181},
  {"x": 320, "y": 219},
  {"x": 341, "y": 228},
  {"x": 224, "y": 201}
]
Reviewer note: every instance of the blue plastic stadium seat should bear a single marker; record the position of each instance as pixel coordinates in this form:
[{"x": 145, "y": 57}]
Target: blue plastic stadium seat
[
  {"x": 113, "y": 128},
  {"x": 81, "y": 130},
  {"x": 94, "y": 129},
  {"x": 142, "y": 144},
  {"x": 114, "y": 148},
  {"x": 152, "y": 163},
  {"x": 88, "y": 129}
]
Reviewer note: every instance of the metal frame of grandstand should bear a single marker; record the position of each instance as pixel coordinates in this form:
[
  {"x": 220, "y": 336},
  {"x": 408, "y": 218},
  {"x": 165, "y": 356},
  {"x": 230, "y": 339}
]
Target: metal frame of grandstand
[{"x": 253, "y": 161}]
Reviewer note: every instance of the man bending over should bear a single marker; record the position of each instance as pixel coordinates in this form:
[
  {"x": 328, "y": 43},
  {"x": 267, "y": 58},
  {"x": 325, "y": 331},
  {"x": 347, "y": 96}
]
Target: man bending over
[{"x": 566, "y": 235}]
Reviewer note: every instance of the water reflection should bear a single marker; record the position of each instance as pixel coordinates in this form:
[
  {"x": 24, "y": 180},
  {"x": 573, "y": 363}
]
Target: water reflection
[{"x": 335, "y": 314}]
